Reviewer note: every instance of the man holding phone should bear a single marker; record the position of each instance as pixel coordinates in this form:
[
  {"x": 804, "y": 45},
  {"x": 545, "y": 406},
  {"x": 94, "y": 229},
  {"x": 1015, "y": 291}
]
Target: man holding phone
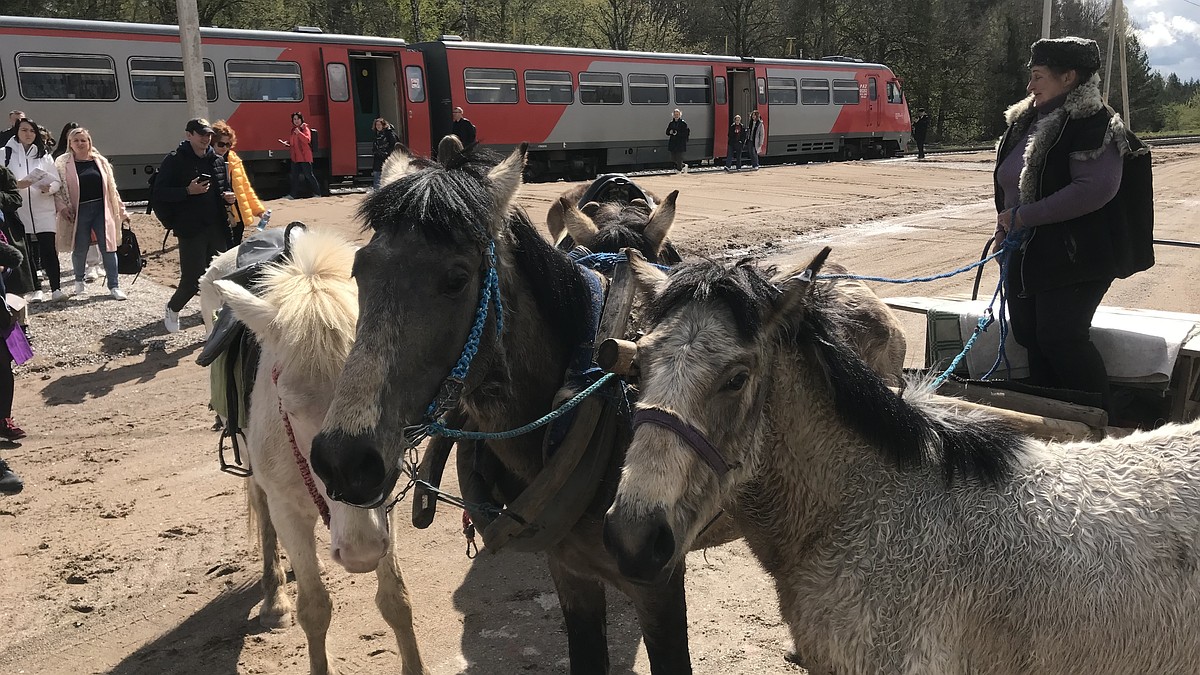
[{"x": 189, "y": 196}]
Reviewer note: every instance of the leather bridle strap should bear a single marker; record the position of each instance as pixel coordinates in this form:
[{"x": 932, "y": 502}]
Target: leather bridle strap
[{"x": 690, "y": 435}]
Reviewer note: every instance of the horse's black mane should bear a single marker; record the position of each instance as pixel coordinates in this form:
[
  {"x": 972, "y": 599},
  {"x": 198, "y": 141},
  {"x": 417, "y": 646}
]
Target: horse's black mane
[
  {"x": 450, "y": 205},
  {"x": 623, "y": 226},
  {"x": 435, "y": 199},
  {"x": 903, "y": 433}
]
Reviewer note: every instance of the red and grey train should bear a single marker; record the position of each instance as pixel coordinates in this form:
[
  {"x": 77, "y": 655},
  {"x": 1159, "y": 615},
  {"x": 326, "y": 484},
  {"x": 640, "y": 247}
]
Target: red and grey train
[{"x": 582, "y": 111}]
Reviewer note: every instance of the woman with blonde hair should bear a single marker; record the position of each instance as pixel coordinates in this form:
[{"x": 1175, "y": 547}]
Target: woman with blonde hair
[
  {"x": 248, "y": 206},
  {"x": 89, "y": 203}
]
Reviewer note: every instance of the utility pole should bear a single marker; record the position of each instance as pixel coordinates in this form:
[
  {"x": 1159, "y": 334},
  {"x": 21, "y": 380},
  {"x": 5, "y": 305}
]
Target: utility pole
[
  {"x": 1112, "y": 31},
  {"x": 1047, "y": 8},
  {"x": 1124, "y": 74},
  {"x": 193, "y": 63}
]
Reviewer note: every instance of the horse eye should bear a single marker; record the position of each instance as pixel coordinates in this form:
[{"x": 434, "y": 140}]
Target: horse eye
[
  {"x": 455, "y": 282},
  {"x": 736, "y": 382}
]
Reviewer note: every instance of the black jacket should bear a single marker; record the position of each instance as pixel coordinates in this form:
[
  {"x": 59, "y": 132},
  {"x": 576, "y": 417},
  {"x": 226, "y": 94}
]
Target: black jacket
[
  {"x": 20, "y": 280},
  {"x": 737, "y": 136},
  {"x": 385, "y": 142},
  {"x": 464, "y": 130},
  {"x": 188, "y": 215},
  {"x": 921, "y": 127},
  {"x": 1115, "y": 240},
  {"x": 678, "y": 139}
]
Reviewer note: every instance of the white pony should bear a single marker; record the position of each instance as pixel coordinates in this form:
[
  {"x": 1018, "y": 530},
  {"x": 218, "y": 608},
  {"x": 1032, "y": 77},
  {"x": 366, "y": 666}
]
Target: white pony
[
  {"x": 904, "y": 539},
  {"x": 305, "y": 320}
]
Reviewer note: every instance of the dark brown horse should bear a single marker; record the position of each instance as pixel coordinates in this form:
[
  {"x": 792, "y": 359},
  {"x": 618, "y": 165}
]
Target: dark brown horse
[{"x": 421, "y": 279}]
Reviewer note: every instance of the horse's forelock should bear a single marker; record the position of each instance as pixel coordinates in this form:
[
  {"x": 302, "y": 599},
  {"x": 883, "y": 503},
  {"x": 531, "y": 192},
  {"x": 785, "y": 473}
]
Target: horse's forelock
[{"x": 743, "y": 288}]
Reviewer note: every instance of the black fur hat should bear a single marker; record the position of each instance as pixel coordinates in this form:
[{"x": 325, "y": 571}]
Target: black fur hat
[{"x": 1068, "y": 52}]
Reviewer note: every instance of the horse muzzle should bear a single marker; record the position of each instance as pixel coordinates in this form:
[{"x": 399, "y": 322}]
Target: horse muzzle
[
  {"x": 642, "y": 545},
  {"x": 353, "y": 469}
]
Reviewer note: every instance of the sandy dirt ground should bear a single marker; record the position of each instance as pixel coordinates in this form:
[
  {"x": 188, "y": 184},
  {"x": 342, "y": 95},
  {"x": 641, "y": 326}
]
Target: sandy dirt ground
[{"x": 127, "y": 551}]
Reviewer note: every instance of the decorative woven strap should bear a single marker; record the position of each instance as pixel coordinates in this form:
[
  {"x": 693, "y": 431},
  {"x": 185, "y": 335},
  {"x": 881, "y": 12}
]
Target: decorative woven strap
[{"x": 301, "y": 463}]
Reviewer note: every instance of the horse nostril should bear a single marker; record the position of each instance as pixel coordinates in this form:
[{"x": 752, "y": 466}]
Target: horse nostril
[{"x": 663, "y": 546}]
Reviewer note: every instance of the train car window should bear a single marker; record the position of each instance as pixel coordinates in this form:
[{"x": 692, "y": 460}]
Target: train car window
[
  {"x": 339, "y": 81},
  {"x": 693, "y": 89},
  {"x": 490, "y": 85},
  {"x": 63, "y": 77},
  {"x": 160, "y": 78},
  {"x": 814, "y": 92},
  {"x": 1, "y": 85},
  {"x": 648, "y": 89},
  {"x": 872, "y": 92},
  {"x": 601, "y": 88},
  {"x": 416, "y": 83},
  {"x": 762, "y": 91},
  {"x": 782, "y": 90},
  {"x": 264, "y": 80},
  {"x": 549, "y": 86},
  {"x": 845, "y": 92},
  {"x": 720, "y": 87},
  {"x": 894, "y": 93}
]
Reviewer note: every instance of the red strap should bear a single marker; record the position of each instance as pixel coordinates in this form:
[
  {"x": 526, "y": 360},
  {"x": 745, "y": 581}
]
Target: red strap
[{"x": 301, "y": 463}]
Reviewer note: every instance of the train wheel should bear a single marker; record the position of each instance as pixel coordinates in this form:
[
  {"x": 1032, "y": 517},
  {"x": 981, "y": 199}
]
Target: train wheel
[{"x": 851, "y": 153}]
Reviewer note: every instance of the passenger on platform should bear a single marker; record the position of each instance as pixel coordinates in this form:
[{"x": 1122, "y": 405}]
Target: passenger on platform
[
  {"x": 462, "y": 127},
  {"x": 61, "y": 146},
  {"x": 10, "y": 261},
  {"x": 192, "y": 192},
  {"x": 8, "y": 134},
  {"x": 756, "y": 136},
  {"x": 737, "y": 138},
  {"x": 677, "y": 139},
  {"x": 37, "y": 178},
  {"x": 386, "y": 140},
  {"x": 247, "y": 206},
  {"x": 921, "y": 131},
  {"x": 93, "y": 264},
  {"x": 1077, "y": 187},
  {"x": 88, "y": 204},
  {"x": 300, "y": 143}
]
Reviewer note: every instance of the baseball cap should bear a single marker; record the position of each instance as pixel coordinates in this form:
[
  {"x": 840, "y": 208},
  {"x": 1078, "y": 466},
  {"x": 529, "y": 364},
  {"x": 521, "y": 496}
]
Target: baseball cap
[{"x": 198, "y": 125}]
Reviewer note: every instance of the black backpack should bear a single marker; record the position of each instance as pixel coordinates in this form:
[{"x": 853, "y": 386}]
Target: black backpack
[{"x": 129, "y": 254}]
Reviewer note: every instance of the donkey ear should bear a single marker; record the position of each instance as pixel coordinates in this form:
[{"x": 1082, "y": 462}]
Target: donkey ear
[
  {"x": 660, "y": 222},
  {"x": 247, "y": 307},
  {"x": 555, "y": 216},
  {"x": 590, "y": 209},
  {"x": 398, "y": 164},
  {"x": 794, "y": 292},
  {"x": 505, "y": 181},
  {"x": 579, "y": 226},
  {"x": 450, "y": 147},
  {"x": 650, "y": 280}
]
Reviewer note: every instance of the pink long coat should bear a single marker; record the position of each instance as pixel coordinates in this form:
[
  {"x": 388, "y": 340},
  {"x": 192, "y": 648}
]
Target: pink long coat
[{"x": 68, "y": 199}]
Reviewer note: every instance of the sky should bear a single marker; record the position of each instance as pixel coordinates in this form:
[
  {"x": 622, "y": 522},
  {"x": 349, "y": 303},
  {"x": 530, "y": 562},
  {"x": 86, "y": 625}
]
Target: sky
[{"x": 1169, "y": 31}]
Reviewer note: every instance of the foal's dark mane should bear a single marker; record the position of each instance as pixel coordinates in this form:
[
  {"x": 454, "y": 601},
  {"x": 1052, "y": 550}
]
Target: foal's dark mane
[
  {"x": 623, "y": 226},
  {"x": 903, "y": 433},
  {"x": 450, "y": 205}
]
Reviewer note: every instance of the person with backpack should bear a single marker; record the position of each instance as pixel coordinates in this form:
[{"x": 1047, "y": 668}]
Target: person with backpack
[
  {"x": 88, "y": 204},
  {"x": 300, "y": 143},
  {"x": 189, "y": 196},
  {"x": 37, "y": 178},
  {"x": 94, "y": 265}
]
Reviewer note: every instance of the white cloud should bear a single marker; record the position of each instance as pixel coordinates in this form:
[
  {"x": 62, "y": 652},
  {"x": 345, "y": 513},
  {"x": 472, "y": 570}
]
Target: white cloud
[{"x": 1169, "y": 35}]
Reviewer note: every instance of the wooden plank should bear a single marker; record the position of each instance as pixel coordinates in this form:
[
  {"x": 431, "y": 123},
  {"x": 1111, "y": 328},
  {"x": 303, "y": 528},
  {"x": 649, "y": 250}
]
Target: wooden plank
[
  {"x": 1038, "y": 426},
  {"x": 1026, "y": 403},
  {"x": 618, "y": 305}
]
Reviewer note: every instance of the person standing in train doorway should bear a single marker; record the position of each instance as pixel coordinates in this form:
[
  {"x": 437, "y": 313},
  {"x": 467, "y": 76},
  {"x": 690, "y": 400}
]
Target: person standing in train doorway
[
  {"x": 300, "y": 144},
  {"x": 756, "y": 133},
  {"x": 677, "y": 138},
  {"x": 921, "y": 131},
  {"x": 737, "y": 139},
  {"x": 462, "y": 127}
]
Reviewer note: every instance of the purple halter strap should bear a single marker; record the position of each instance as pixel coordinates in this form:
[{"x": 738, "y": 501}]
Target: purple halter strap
[{"x": 690, "y": 435}]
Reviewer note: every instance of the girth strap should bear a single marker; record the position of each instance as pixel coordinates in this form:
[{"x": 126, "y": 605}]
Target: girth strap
[{"x": 690, "y": 435}]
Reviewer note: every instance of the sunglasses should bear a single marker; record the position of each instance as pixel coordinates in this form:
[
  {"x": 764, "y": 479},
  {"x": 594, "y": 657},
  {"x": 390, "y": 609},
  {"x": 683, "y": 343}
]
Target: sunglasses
[{"x": 224, "y": 144}]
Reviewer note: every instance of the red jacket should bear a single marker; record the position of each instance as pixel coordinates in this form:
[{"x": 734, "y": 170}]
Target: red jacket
[{"x": 301, "y": 143}]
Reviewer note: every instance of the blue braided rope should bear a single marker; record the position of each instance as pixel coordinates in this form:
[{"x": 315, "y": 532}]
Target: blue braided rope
[
  {"x": 916, "y": 280},
  {"x": 436, "y": 428},
  {"x": 984, "y": 322},
  {"x": 607, "y": 262}
]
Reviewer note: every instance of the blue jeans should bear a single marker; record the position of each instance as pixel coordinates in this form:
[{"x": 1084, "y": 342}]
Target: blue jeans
[
  {"x": 89, "y": 219},
  {"x": 303, "y": 172}
]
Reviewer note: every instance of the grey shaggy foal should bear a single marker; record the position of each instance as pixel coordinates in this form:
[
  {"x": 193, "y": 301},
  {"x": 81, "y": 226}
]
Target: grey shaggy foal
[{"x": 903, "y": 538}]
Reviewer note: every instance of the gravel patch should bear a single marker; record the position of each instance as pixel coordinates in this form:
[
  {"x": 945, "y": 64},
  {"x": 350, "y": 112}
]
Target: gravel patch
[{"x": 93, "y": 328}]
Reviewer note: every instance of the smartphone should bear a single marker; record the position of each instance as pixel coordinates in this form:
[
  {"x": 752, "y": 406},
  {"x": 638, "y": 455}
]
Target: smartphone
[{"x": 204, "y": 177}]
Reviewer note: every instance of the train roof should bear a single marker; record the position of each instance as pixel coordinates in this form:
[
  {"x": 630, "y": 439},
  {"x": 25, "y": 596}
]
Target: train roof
[
  {"x": 710, "y": 58},
  {"x": 173, "y": 31}
]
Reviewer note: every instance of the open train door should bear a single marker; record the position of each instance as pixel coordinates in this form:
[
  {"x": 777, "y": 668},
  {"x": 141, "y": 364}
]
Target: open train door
[
  {"x": 338, "y": 144},
  {"x": 417, "y": 134},
  {"x": 740, "y": 89}
]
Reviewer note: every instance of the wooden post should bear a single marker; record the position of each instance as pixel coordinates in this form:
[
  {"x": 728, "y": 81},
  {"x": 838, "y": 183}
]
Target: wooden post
[
  {"x": 1047, "y": 9},
  {"x": 1112, "y": 31},
  {"x": 1124, "y": 74},
  {"x": 193, "y": 63}
]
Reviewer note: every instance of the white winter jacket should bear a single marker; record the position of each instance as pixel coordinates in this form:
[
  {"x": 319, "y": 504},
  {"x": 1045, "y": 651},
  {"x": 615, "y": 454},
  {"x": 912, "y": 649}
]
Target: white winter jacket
[{"x": 38, "y": 210}]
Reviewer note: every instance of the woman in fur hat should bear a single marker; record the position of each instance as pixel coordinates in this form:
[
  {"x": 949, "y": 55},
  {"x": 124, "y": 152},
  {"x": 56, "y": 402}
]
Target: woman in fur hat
[{"x": 1073, "y": 186}]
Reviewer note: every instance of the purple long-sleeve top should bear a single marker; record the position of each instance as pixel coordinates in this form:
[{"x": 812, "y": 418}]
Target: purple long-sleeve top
[{"x": 1094, "y": 182}]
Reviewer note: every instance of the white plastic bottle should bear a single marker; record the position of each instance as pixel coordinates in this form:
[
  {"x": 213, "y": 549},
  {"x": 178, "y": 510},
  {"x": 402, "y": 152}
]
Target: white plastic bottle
[{"x": 262, "y": 222}]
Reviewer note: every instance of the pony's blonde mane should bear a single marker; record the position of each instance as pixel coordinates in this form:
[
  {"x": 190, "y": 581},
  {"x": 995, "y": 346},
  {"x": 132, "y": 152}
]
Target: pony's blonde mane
[{"x": 316, "y": 299}]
